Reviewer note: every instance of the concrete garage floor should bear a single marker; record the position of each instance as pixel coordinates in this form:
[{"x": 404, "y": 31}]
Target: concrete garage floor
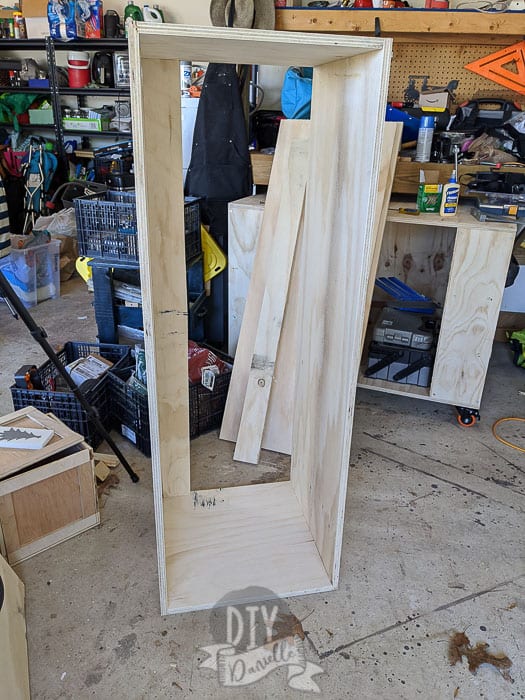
[{"x": 432, "y": 545}]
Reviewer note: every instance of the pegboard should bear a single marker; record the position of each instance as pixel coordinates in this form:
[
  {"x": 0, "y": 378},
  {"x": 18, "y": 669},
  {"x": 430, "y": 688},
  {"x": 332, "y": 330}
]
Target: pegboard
[{"x": 444, "y": 62}]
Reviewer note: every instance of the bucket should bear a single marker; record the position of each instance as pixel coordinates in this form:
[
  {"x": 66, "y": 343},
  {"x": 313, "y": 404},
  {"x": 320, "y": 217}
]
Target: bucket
[{"x": 78, "y": 69}]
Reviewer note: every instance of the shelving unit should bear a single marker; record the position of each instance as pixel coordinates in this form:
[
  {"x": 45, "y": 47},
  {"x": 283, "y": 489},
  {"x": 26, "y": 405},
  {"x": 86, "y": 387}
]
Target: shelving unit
[
  {"x": 55, "y": 91},
  {"x": 406, "y": 25}
]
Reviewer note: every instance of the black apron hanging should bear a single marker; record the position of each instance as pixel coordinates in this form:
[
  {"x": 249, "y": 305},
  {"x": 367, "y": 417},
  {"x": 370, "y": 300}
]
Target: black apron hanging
[
  {"x": 219, "y": 173},
  {"x": 220, "y": 162}
]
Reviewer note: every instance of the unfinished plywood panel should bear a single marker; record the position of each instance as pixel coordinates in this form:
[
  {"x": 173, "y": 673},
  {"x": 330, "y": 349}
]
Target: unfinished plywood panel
[
  {"x": 335, "y": 258},
  {"x": 419, "y": 252},
  {"x": 13, "y": 642},
  {"x": 277, "y": 434},
  {"x": 281, "y": 223},
  {"x": 470, "y": 314},
  {"x": 336, "y": 253},
  {"x": 48, "y": 504},
  {"x": 244, "y": 223},
  {"x": 245, "y": 535},
  {"x": 13, "y": 460},
  {"x": 389, "y": 151}
]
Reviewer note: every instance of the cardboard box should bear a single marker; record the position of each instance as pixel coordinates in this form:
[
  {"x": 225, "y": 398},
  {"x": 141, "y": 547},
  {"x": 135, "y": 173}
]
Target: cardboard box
[
  {"x": 434, "y": 101},
  {"x": 429, "y": 198},
  {"x": 37, "y": 27},
  {"x": 34, "y": 8},
  {"x": 6, "y": 11},
  {"x": 81, "y": 124},
  {"x": 429, "y": 191}
]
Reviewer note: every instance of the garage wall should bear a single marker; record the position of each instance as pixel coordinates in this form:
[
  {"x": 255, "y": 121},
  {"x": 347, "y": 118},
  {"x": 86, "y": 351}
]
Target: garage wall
[
  {"x": 179, "y": 11},
  {"x": 197, "y": 13}
]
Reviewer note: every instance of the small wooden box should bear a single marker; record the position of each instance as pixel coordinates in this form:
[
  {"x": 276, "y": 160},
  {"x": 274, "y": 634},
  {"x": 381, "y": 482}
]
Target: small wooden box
[{"x": 48, "y": 504}]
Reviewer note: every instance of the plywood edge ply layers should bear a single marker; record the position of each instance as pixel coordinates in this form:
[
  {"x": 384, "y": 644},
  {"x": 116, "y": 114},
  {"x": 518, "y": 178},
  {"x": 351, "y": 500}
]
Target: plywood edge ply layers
[
  {"x": 347, "y": 115},
  {"x": 337, "y": 248}
]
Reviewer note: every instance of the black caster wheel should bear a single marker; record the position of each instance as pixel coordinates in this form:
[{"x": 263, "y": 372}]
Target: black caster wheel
[{"x": 467, "y": 417}]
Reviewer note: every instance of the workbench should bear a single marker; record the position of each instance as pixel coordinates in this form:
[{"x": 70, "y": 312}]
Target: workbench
[{"x": 462, "y": 265}]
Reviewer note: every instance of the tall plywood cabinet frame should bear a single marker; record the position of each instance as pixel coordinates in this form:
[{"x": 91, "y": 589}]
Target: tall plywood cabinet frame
[{"x": 286, "y": 537}]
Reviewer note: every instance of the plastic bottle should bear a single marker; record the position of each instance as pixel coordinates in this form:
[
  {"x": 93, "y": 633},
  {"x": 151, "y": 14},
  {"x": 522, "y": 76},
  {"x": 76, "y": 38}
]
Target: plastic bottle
[
  {"x": 450, "y": 197},
  {"x": 19, "y": 26},
  {"x": 132, "y": 13},
  {"x": 185, "y": 78},
  {"x": 152, "y": 15},
  {"x": 424, "y": 139},
  {"x": 161, "y": 13}
]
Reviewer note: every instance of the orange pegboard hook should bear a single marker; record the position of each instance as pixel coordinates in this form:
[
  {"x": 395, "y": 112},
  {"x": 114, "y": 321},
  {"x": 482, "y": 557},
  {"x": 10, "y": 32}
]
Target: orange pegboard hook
[{"x": 493, "y": 67}]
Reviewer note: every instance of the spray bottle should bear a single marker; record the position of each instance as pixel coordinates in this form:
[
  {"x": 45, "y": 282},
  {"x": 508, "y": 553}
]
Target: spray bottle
[
  {"x": 132, "y": 13},
  {"x": 152, "y": 15},
  {"x": 161, "y": 13}
]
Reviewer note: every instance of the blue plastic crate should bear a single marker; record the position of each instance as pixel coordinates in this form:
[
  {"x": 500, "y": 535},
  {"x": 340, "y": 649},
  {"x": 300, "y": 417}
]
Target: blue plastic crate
[{"x": 107, "y": 228}]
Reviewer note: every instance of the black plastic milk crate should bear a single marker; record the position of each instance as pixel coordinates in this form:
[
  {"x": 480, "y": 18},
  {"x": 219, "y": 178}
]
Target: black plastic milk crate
[
  {"x": 64, "y": 404},
  {"x": 207, "y": 407},
  {"x": 129, "y": 407},
  {"x": 107, "y": 228}
]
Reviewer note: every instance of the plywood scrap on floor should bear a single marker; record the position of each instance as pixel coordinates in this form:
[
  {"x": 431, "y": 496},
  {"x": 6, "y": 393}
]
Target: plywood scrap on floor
[
  {"x": 199, "y": 547},
  {"x": 111, "y": 460}
]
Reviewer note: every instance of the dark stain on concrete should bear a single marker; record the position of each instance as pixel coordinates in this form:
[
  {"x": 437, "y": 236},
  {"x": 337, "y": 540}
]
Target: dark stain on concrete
[
  {"x": 111, "y": 609},
  {"x": 126, "y": 647},
  {"x": 93, "y": 678}
]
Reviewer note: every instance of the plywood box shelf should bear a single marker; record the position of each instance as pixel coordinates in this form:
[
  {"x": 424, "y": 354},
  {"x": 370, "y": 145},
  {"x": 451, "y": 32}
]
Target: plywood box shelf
[
  {"x": 462, "y": 264},
  {"x": 285, "y": 536}
]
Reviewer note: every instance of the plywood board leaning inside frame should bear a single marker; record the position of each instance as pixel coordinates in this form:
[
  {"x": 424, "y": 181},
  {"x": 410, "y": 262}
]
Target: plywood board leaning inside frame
[{"x": 287, "y": 535}]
